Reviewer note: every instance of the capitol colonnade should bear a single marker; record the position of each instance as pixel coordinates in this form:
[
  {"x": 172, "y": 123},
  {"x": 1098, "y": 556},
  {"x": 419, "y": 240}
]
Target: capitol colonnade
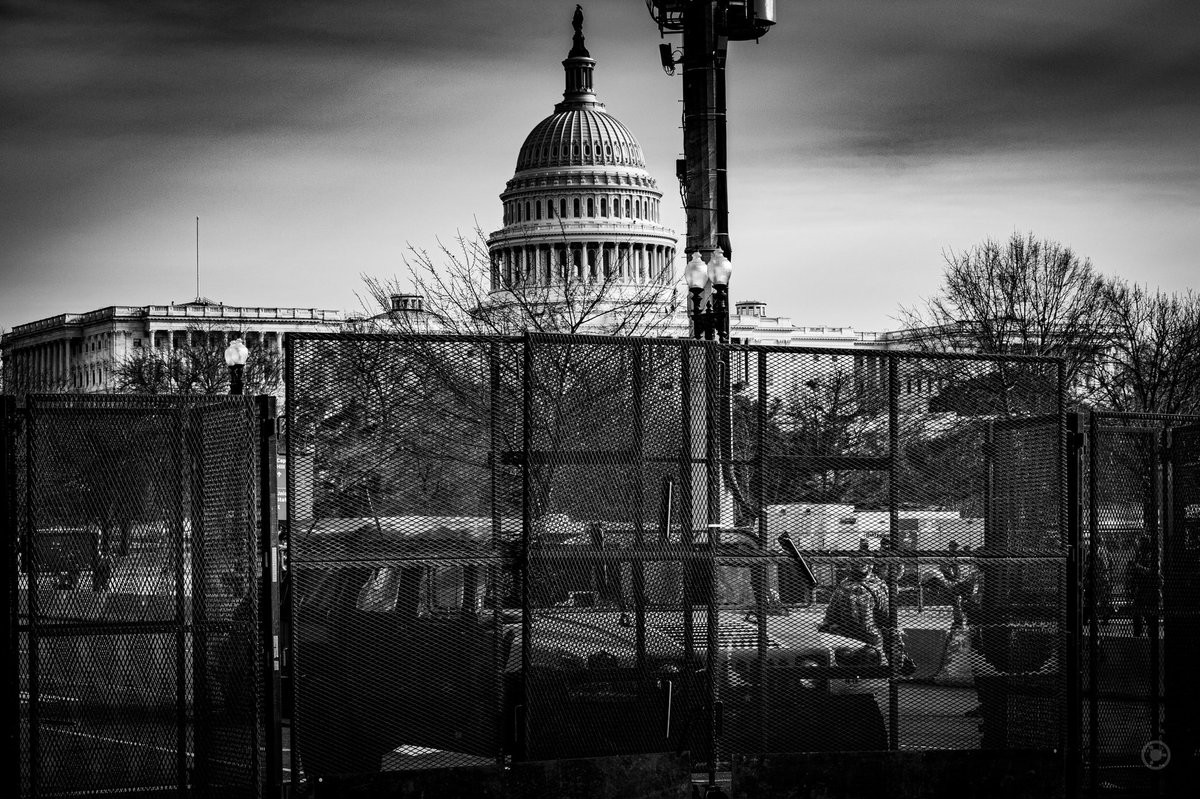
[{"x": 547, "y": 264}]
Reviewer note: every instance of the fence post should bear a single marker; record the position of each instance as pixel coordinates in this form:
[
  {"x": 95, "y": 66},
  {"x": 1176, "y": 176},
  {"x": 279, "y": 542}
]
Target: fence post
[
  {"x": 521, "y": 714},
  {"x": 32, "y": 577},
  {"x": 269, "y": 601},
  {"x": 712, "y": 495},
  {"x": 893, "y": 536},
  {"x": 8, "y": 531},
  {"x": 1074, "y": 743},
  {"x": 1093, "y": 641}
]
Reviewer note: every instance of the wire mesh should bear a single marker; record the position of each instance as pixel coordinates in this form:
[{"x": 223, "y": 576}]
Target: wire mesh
[
  {"x": 402, "y": 506},
  {"x": 111, "y": 615},
  {"x": 1139, "y": 480},
  {"x": 1181, "y": 615},
  {"x": 664, "y": 545},
  {"x": 606, "y": 668}
]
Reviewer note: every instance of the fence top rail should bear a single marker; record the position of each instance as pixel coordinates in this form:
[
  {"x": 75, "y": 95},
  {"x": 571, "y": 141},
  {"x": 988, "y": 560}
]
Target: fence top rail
[
  {"x": 1120, "y": 417},
  {"x": 631, "y": 341},
  {"x": 437, "y": 338},
  {"x": 132, "y": 402},
  {"x": 660, "y": 341}
]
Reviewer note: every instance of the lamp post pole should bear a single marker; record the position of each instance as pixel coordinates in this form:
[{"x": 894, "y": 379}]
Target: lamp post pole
[
  {"x": 711, "y": 321},
  {"x": 707, "y": 27}
]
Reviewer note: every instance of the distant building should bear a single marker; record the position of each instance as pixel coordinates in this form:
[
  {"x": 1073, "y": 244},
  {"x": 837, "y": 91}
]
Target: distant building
[{"x": 78, "y": 351}]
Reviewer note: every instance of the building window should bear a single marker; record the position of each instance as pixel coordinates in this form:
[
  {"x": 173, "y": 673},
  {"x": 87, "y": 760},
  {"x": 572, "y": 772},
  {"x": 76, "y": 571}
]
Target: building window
[
  {"x": 562, "y": 207},
  {"x": 603, "y": 206},
  {"x": 527, "y": 216},
  {"x": 591, "y": 207},
  {"x": 538, "y": 206},
  {"x": 627, "y": 206},
  {"x": 576, "y": 207}
]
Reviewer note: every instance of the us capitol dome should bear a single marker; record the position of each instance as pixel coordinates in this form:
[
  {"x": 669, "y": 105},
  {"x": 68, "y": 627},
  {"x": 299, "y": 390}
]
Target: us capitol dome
[{"x": 581, "y": 205}]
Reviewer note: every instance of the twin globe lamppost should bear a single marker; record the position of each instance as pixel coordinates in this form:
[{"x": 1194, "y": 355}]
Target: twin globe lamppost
[{"x": 709, "y": 320}]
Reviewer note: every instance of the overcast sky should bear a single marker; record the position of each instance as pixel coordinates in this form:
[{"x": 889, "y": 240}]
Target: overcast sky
[{"x": 317, "y": 139}]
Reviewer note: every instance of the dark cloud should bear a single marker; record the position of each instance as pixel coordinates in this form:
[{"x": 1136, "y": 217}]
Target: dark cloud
[
  {"x": 87, "y": 68},
  {"x": 939, "y": 77}
]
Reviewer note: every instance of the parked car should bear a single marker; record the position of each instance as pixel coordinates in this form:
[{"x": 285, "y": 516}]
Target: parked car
[{"x": 418, "y": 647}]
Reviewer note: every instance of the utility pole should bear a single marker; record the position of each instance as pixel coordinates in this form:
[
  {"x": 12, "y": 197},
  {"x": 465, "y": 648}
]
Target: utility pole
[{"x": 707, "y": 27}]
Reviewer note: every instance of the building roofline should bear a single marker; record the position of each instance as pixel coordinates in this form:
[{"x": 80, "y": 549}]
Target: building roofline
[{"x": 183, "y": 311}]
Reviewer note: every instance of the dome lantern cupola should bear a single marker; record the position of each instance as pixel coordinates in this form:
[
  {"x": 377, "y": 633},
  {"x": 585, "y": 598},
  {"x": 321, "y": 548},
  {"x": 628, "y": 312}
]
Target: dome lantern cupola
[{"x": 578, "y": 66}]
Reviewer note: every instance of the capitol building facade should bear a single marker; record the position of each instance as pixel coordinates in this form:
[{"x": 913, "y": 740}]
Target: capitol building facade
[{"x": 581, "y": 222}]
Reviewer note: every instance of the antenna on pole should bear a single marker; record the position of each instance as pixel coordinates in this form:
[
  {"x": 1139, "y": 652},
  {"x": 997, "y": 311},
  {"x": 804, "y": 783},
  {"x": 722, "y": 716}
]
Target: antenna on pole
[{"x": 197, "y": 259}]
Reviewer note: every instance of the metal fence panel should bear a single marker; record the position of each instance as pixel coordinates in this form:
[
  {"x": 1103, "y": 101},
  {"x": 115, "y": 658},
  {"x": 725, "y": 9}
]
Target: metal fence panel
[
  {"x": 662, "y": 527},
  {"x": 1140, "y": 473},
  {"x": 612, "y": 662},
  {"x": 116, "y": 690},
  {"x": 1181, "y": 611},
  {"x": 402, "y": 505}
]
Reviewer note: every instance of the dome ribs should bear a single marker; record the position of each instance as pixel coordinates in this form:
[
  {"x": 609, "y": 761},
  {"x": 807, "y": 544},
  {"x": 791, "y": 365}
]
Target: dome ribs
[{"x": 580, "y": 137}]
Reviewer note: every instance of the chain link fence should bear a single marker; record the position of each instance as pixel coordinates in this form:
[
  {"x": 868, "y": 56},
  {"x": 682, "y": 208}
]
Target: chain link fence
[
  {"x": 132, "y": 564},
  {"x": 508, "y": 550},
  {"x": 403, "y": 524},
  {"x": 1139, "y": 602},
  {"x": 570, "y": 546}
]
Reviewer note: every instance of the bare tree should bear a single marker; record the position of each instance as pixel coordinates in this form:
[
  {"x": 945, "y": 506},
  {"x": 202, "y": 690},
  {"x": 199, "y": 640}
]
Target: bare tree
[
  {"x": 197, "y": 366},
  {"x": 465, "y": 294},
  {"x": 1024, "y": 296},
  {"x": 1152, "y": 359}
]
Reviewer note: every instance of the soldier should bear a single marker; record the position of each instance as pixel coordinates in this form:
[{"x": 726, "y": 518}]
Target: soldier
[
  {"x": 1141, "y": 585},
  {"x": 859, "y": 608},
  {"x": 1097, "y": 607}
]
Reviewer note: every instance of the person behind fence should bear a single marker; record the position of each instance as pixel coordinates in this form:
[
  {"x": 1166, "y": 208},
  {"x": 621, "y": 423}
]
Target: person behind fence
[
  {"x": 859, "y": 609},
  {"x": 1141, "y": 585},
  {"x": 940, "y": 580},
  {"x": 1097, "y": 606},
  {"x": 968, "y": 590}
]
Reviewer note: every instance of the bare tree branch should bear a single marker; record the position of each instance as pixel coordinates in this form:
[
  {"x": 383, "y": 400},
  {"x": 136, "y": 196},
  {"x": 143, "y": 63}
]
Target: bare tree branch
[
  {"x": 456, "y": 284},
  {"x": 197, "y": 366}
]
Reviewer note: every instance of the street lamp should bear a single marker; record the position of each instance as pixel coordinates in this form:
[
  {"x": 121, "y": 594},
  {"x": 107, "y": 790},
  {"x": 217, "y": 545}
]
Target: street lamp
[
  {"x": 235, "y": 358},
  {"x": 712, "y": 319}
]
